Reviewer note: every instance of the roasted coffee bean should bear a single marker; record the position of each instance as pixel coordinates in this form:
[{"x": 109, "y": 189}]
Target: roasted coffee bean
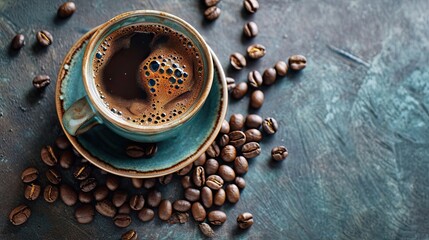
[
  {"x": 238, "y": 61},
  {"x": 253, "y": 121},
  {"x": 228, "y": 153},
  {"x": 32, "y": 191},
  {"x": 84, "y": 213},
  {"x": 240, "y": 90},
  {"x": 230, "y": 83},
  {"x": 185, "y": 170},
  {"x": 279, "y": 153},
  {"x": 212, "y": 13},
  {"x": 48, "y": 156},
  {"x": 256, "y": 51},
  {"x": 67, "y": 159},
  {"x": 250, "y": 29},
  {"x": 269, "y": 76},
  {"x": 144, "y": 150},
  {"x": 198, "y": 212},
  {"x": 165, "y": 210},
  {"x": 198, "y": 176},
  {"x": 85, "y": 197},
  {"x": 223, "y": 140},
  {"x": 154, "y": 198},
  {"x": 137, "y": 182},
  {"x": 186, "y": 182},
  {"x": 200, "y": 160},
  {"x": 251, "y": 5},
  {"x": 214, "y": 182},
  {"x": 68, "y": 195},
  {"x": 29, "y": 175},
  {"x": 119, "y": 198},
  {"x": 245, "y": 220},
  {"x": 88, "y": 185},
  {"x": 237, "y": 138},
  {"x": 149, "y": 183},
  {"x": 281, "y": 68},
  {"x": 297, "y": 62},
  {"x": 130, "y": 235},
  {"x": 192, "y": 194},
  {"x": 101, "y": 192},
  {"x": 251, "y": 150},
  {"x": 270, "y": 126},
  {"x": 178, "y": 217},
  {"x": 106, "y": 208},
  {"x": 112, "y": 182},
  {"x": 219, "y": 197},
  {"x": 122, "y": 220},
  {"x": 53, "y": 176},
  {"x": 236, "y": 121},
  {"x": 19, "y": 215},
  {"x": 240, "y": 182},
  {"x": 253, "y": 135},
  {"x": 232, "y": 193},
  {"x": 50, "y": 194},
  {"x": 125, "y": 209},
  {"x": 206, "y": 230},
  {"x": 207, "y": 197},
  {"x": 226, "y": 173},
  {"x": 66, "y": 9},
  {"x": 213, "y": 150},
  {"x": 44, "y": 38},
  {"x": 210, "y": 167},
  {"x": 210, "y": 3},
  {"x": 18, "y": 42},
  {"x": 82, "y": 172},
  {"x": 181, "y": 205},
  {"x": 137, "y": 202},
  {"x": 241, "y": 166},
  {"x": 216, "y": 217},
  {"x": 257, "y": 99},
  {"x": 225, "y": 127},
  {"x": 62, "y": 142},
  {"x": 146, "y": 214},
  {"x": 166, "y": 179},
  {"x": 254, "y": 79}
]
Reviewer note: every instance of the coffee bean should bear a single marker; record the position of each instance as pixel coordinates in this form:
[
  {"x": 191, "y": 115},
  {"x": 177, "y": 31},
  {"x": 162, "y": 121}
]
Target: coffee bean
[
  {"x": 230, "y": 83},
  {"x": 62, "y": 142},
  {"x": 112, "y": 182},
  {"x": 207, "y": 197},
  {"x": 192, "y": 194},
  {"x": 19, "y": 215},
  {"x": 281, "y": 68},
  {"x": 241, "y": 165},
  {"x": 18, "y": 42},
  {"x": 143, "y": 150},
  {"x": 125, "y": 208},
  {"x": 101, "y": 192},
  {"x": 185, "y": 170},
  {"x": 48, "y": 156},
  {"x": 219, "y": 197},
  {"x": 29, "y": 175},
  {"x": 237, "y": 138},
  {"x": 270, "y": 126},
  {"x": 297, "y": 62},
  {"x": 279, "y": 153},
  {"x": 216, "y": 217},
  {"x": 213, "y": 150},
  {"x": 257, "y": 99},
  {"x": 84, "y": 213},
  {"x": 164, "y": 180},
  {"x": 66, "y": 9},
  {"x": 82, "y": 172},
  {"x": 198, "y": 176},
  {"x": 68, "y": 195},
  {"x": 106, "y": 208},
  {"x": 206, "y": 230},
  {"x": 210, "y": 3},
  {"x": 32, "y": 191},
  {"x": 251, "y": 150},
  {"x": 181, "y": 205},
  {"x": 245, "y": 220},
  {"x": 130, "y": 235},
  {"x": 269, "y": 76},
  {"x": 50, "y": 194},
  {"x": 149, "y": 183},
  {"x": 85, "y": 197},
  {"x": 253, "y": 121},
  {"x": 226, "y": 173},
  {"x": 236, "y": 121},
  {"x": 67, "y": 159},
  {"x": 178, "y": 217},
  {"x": 237, "y": 60},
  {"x": 137, "y": 202},
  {"x": 146, "y": 214},
  {"x": 122, "y": 220},
  {"x": 154, "y": 198},
  {"x": 212, "y": 13},
  {"x": 119, "y": 198},
  {"x": 198, "y": 212},
  {"x": 240, "y": 90},
  {"x": 256, "y": 51},
  {"x": 200, "y": 160},
  {"x": 53, "y": 176},
  {"x": 165, "y": 210},
  {"x": 228, "y": 153},
  {"x": 137, "y": 182},
  {"x": 44, "y": 38},
  {"x": 254, "y": 79},
  {"x": 223, "y": 140},
  {"x": 253, "y": 135},
  {"x": 232, "y": 193},
  {"x": 251, "y": 5},
  {"x": 214, "y": 182},
  {"x": 210, "y": 167},
  {"x": 186, "y": 182},
  {"x": 250, "y": 29},
  {"x": 88, "y": 185}
]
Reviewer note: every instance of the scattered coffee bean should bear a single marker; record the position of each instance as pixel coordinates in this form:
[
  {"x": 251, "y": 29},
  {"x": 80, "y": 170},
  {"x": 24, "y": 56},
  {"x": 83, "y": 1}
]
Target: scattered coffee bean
[
  {"x": 240, "y": 90},
  {"x": 165, "y": 210},
  {"x": 149, "y": 183},
  {"x": 236, "y": 121},
  {"x": 210, "y": 3},
  {"x": 185, "y": 170},
  {"x": 223, "y": 140},
  {"x": 200, "y": 160},
  {"x": 66, "y": 9},
  {"x": 101, "y": 193},
  {"x": 137, "y": 202},
  {"x": 256, "y": 51},
  {"x": 53, "y": 176},
  {"x": 48, "y": 156},
  {"x": 237, "y": 60},
  {"x": 241, "y": 166},
  {"x": 297, "y": 62},
  {"x": 32, "y": 191},
  {"x": 29, "y": 175},
  {"x": 192, "y": 194},
  {"x": 254, "y": 79},
  {"x": 67, "y": 159},
  {"x": 82, "y": 172},
  {"x": 166, "y": 179},
  {"x": 125, "y": 208},
  {"x": 228, "y": 153},
  {"x": 206, "y": 230},
  {"x": 253, "y": 121},
  {"x": 213, "y": 150},
  {"x": 250, "y": 29},
  {"x": 198, "y": 176},
  {"x": 41, "y": 81},
  {"x": 50, "y": 194},
  {"x": 178, "y": 217},
  {"x": 216, "y": 217},
  {"x": 112, "y": 182},
  {"x": 130, "y": 235},
  {"x": 19, "y": 215},
  {"x": 119, "y": 198},
  {"x": 212, "y": 13},
  {"x": 146, "y": 214},
  {"x": 245, "y": 220},
  {"x": 269, "y": 76},
  {"x": 232, "y": 193},
  {"x": 251, "y": 150},
  {"x": 137, "y": 182},
  {"x": 44, "y": 38},
  {"x": 88, "y": 185},
  {"x": 122, "y": 220},
  {"x": 186, "y": 182},
  {"x": 237, "y": 138},
  {"x": 251, "y": 5},
  {"x": 210, "y": 167},
  {"x": 84, "y": 214},
  {"x": 253, "y": 135},
  {"x": 198, "y": 212},
  {"x": 279, "y": 153},
  {"x": 85, "y": 197},
  {"x": 207, "y": 197},
  {"x": 270, "y": 126},
  {"x": 226, "y": 173},
  {"x": 257, "y": 99},
  {"x": 281, "y": 68},
  {"x": 214, "y": 182},
  {"x": 240, "y": 182},
  {"x": 68, "y": 195},
  {"x": 18, "y": 42},
  {"x": 181, "y": 205},
  {"x": 230, "y": 83},
  {"x": 106, "y": 208},
  {"x": 154, "y": 198},
  {"x": 62, "y": 142},
  {"x": 219, "y": 197},
  {"x": 143, "y": 150}
]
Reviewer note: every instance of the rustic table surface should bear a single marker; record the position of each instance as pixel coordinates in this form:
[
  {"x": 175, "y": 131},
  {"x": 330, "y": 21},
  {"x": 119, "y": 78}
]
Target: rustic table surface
[{"x": 355, "y": 121}]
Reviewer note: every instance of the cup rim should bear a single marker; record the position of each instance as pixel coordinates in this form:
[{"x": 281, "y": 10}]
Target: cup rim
[{"x": 122, "y": 123}]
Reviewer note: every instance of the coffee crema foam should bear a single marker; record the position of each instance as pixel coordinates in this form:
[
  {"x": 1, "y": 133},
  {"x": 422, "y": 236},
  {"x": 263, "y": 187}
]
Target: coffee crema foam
[{"x": 148, "y": 74}]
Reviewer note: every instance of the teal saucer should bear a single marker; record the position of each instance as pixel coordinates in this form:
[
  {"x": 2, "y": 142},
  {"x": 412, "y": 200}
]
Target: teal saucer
[{"x": 106, "y": 150}]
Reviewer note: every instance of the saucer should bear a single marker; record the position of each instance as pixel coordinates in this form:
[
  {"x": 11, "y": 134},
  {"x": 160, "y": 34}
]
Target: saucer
[{"x": 106, "y": 150}]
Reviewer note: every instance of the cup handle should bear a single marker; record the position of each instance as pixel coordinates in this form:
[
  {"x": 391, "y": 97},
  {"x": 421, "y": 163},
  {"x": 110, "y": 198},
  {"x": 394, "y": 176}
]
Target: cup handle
[{"x": 80, "y": 117}]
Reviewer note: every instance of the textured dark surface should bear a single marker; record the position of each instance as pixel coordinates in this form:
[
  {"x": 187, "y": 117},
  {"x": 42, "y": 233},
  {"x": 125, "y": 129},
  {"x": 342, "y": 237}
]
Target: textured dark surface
[{"x": 358, "y": 134}]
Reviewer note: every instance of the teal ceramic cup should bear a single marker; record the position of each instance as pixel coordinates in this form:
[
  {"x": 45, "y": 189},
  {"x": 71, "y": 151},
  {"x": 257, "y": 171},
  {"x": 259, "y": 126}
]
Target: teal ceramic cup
[{"x": 90, "y": 110}]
